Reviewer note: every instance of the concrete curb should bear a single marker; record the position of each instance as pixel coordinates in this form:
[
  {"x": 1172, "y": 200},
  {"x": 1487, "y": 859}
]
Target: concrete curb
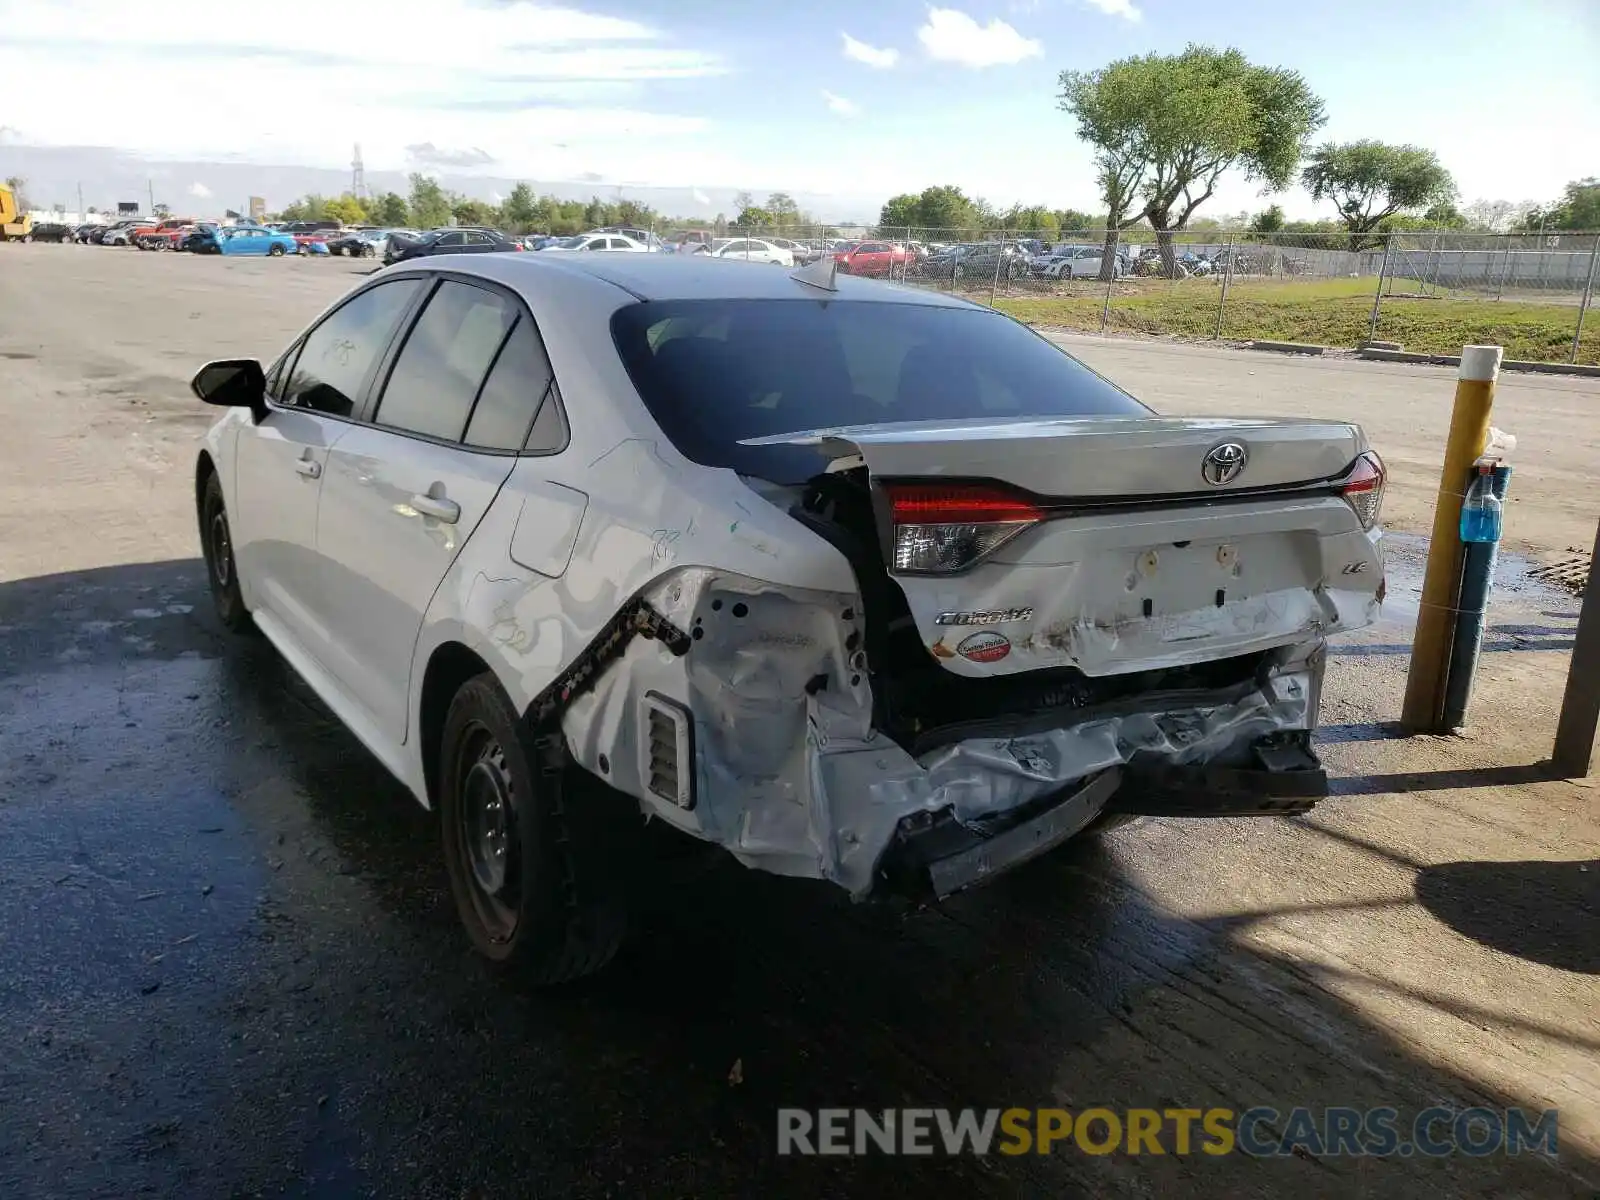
[
  {"x": 1454, "y": 360},
  {"x": 1289, "y": 347}
]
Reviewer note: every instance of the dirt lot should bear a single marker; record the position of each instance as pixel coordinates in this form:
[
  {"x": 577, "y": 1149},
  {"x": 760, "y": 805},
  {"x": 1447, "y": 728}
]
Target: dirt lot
[{"x": 228, "y": 965}]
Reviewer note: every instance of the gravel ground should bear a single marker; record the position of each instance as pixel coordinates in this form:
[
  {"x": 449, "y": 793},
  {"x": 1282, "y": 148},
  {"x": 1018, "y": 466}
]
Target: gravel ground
[{"x": 228, "y": 964}]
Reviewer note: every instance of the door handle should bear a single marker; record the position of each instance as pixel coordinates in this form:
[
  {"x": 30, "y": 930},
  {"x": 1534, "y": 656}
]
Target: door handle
[
  {"x": 309, "y": 467},
  {"x": 437, "y": 507}
]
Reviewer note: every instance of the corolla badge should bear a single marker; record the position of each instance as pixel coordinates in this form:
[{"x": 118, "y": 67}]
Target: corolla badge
[{"x": 1224, "y": 463}]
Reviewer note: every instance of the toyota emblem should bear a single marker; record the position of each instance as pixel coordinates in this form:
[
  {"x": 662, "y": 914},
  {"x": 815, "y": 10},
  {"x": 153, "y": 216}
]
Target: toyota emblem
[{"x": 1225, "y": 463}]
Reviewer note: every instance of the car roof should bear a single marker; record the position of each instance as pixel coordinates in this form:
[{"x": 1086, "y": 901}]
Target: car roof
[{"x": 680, "y": 277}]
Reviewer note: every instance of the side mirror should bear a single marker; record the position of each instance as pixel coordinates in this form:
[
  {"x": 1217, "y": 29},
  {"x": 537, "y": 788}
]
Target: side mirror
[{"x": 233, "y": 383}]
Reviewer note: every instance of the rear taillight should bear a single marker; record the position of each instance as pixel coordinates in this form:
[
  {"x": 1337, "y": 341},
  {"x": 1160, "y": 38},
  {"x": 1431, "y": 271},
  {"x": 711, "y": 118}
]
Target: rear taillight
[
  {"x": 940, "y": 529},
  {"x": 1363, "y": 488}
]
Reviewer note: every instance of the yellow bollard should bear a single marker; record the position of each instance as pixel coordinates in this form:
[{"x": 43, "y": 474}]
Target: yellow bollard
[{"x": 1441, "y": 585}]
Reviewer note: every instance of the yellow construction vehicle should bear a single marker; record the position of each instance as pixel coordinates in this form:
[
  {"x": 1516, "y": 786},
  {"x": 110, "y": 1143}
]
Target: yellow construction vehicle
[{"x": 15, "y": 226}]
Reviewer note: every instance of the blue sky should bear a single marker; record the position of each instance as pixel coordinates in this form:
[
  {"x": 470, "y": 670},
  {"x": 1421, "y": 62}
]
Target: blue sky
[{"x": 848, "y": 100}]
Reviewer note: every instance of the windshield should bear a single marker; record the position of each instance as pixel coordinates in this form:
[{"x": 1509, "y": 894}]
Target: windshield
[
  {"x": 571, "y": 243},
  {"x": 715, "y": 372}
]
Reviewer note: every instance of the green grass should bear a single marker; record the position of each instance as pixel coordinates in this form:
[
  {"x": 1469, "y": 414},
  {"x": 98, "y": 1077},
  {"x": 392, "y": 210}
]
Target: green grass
[{"x": 1325, "y": 312}]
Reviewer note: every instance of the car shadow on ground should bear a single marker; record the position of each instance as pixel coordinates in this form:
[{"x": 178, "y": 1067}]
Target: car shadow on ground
[
  {"x": 1542, "y": 911},
  {"x": 346, "y": 1042}
]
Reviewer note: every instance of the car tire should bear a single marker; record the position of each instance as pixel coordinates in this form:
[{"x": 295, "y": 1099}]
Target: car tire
[
  {"x": 303, "y": 251},
  {"x": 536, "y": 876},
  {"x": 275, "y": 251},
  {"x": 216, "y": 541},
  {"x": 369, "y": 252}
]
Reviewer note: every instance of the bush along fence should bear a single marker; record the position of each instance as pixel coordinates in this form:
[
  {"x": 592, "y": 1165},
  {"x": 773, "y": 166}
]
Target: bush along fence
[{"x": 1428, "y": 292}]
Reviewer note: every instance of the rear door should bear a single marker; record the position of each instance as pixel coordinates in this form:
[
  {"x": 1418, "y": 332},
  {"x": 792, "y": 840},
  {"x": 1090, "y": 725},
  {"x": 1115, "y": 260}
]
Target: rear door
[{"x": 406, "y": 488}]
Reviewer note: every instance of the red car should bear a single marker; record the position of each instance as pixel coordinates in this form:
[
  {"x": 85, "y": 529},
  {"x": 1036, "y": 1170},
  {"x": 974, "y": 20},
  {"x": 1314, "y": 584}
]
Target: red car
[
  {"x": 874, "y": 258},
  {"x": 163, "y": 235}
]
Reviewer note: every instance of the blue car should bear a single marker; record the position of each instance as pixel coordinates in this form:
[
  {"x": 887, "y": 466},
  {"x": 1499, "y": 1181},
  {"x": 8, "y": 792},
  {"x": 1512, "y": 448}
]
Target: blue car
[{"x": 244, "y": 239}]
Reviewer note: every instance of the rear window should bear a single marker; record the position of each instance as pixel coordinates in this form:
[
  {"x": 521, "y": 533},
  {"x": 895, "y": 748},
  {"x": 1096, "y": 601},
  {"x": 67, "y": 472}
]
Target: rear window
[{"x": 714, "y": 372}]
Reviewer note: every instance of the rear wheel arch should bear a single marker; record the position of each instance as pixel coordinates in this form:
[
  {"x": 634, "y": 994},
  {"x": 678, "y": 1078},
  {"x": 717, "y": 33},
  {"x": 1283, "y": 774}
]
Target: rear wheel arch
[{"x": 450, "y": 666}]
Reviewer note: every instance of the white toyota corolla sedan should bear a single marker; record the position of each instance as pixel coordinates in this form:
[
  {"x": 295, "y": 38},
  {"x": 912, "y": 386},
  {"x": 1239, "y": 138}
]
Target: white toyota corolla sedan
[{"x": 862, "y": 583}]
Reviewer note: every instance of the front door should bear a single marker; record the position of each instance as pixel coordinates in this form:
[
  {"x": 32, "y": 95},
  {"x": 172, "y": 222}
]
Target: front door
[
  {"x": 281, "y": 462},
  {"x": 404, "y": 492}
]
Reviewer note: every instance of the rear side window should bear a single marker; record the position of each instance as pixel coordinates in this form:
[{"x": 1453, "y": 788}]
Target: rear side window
[
  {"x": 447, "y": 354},
  {"x": 714, "y": 372},
  {"x": 511, "y": 397},
  {"x": 338, "y": 354}
]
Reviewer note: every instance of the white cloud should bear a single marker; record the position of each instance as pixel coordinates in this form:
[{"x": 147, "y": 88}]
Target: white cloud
[
  {"x": 200, "y": 191},
  {"x": 841, "y": 106},
  {"x": 871, "y": 55},
  {"x": 1118, "y": 8},
  {"x": 953, "y": 36},
  {"x": 513, "y": 80}
]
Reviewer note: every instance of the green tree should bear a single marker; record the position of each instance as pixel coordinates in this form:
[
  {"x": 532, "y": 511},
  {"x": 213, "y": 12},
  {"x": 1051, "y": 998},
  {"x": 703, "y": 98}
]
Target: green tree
[
  {"x": 430, "y": 207},
  {"x": 474, "y": 212},
  {"x": 1445, "y": 215},
  {"x": 899, "y": 212},
  {"x": 1370, "y": 181},
  {"x": 521, "y": 209},
  {"x": 637, "y": 215},
  {"x": 753, "y": 216},
  {"x": 1071, "y": 220},
  {"x": 347, "y": 210},
  {"x": 946, "y": 207},
  {"x": 1268, "y": 220},
  {"x": 1166, "y": 128},
  {"x": 391, "y": 210},
  {"x": 1578, "y": 208},
  {"x": 1031, "y": 219},
  {"x": 783, "y": 209}
]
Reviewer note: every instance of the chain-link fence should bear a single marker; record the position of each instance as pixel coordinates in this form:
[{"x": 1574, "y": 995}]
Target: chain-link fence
[{"x": 1431, "y": 291}]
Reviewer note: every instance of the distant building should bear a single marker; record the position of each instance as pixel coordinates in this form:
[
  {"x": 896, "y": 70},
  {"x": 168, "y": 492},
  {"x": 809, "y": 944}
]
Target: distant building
[{"x": 258, "y": 209}]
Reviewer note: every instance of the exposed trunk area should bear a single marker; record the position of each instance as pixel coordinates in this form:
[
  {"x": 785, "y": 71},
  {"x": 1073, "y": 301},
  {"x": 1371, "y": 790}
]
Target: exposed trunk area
[
  {"x": 1144, "y": 557},
  {"x": 921, "y": 705}
]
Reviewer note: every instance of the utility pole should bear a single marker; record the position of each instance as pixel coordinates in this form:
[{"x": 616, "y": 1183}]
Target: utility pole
[
  {"x": 81, "y": 213},
  {"x": 151, "y": 184}
]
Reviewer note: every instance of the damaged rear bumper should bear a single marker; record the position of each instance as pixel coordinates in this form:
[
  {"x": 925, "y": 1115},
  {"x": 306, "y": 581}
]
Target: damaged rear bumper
[
  {"x": 756, "y": 732},
  {"x": 939, "y": 855}
]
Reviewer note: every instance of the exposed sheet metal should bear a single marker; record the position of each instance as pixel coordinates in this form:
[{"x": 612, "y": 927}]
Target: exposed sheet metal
[{"x": 790, "y": 774}]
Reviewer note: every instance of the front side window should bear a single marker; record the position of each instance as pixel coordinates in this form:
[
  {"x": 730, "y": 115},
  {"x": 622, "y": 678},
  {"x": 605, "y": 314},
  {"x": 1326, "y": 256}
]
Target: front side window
[
  {"x": 715, "y": 372},
  {"x": 338, "y": 354},
  {"x": 448, "y": 352}
]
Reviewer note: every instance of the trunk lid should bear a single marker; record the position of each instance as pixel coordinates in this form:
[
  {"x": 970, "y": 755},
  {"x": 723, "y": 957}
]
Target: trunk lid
[
  {"x": 1136, "y": 544},
  {"x": 1096, "y": 458}
]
